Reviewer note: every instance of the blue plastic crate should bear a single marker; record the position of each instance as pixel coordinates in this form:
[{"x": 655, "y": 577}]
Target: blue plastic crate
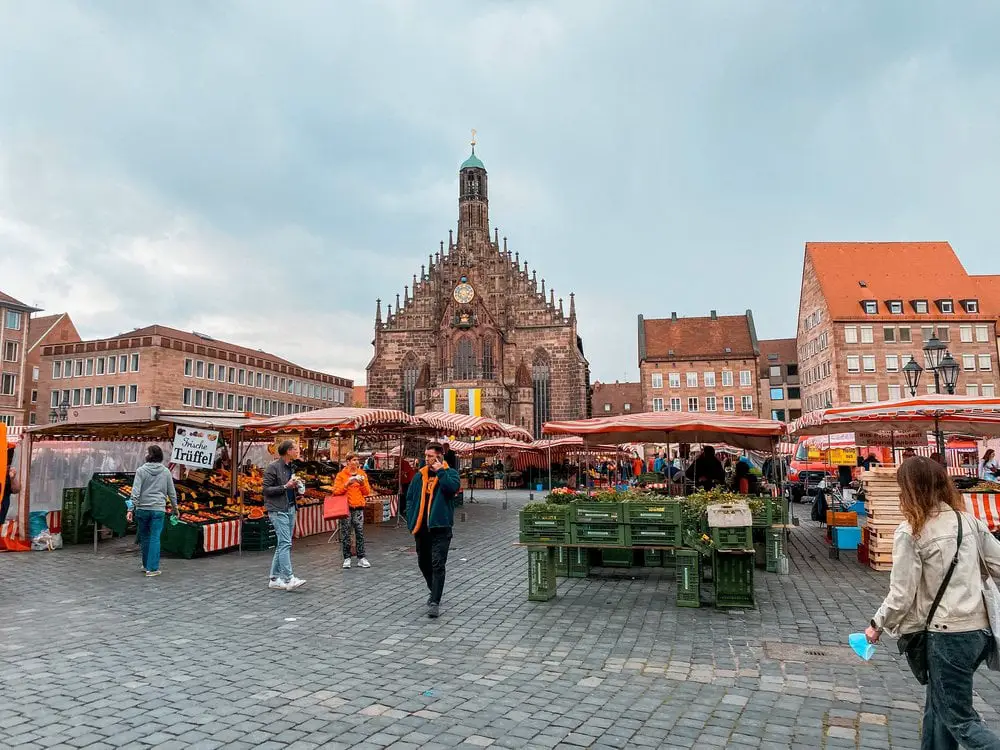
[{"x": 846, "y": 537}]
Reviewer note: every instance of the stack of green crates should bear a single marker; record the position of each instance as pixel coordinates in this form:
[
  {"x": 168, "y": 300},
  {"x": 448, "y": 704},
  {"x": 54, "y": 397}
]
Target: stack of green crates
[
  {"x": 562, "y": 561},
  {"x": 653, "y": 523},
  {"x": 598, "y": 523},
  {"x": 541, "y": 574},
  {"x": 258, "y": 535},
  {"x": 737, "y": 537},
  {"x": 75, "y": 528},
  {"x": 778, "y": 509},
  {"x": 688, "y": 572},
  {"x": 762, "y": 518},
  {"x": 579, "y": 562},
  {"x": 775, "y": 540},
  {"x": 545, "y": 524},
  {"x": 732, "y": 576}
]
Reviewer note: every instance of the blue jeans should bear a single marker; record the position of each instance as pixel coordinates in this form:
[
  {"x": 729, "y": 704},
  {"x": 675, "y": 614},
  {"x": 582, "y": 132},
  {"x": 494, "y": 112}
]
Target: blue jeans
[
  {"x": 949, "y": 718},
  {"x": 149, "y": 524},
  {"x": 284, "y": 525}
]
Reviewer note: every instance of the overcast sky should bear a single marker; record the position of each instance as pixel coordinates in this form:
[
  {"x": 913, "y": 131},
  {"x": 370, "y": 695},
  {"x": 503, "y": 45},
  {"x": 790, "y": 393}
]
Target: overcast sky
[{"x": 263, "y": 171}]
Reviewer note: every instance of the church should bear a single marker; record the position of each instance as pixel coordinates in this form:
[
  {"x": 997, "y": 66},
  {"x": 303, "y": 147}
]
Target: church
[{"x": 477, "y": 332}]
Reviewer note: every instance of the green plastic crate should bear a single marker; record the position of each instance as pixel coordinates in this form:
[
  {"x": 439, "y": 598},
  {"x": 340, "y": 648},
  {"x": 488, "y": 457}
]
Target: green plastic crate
[
  {"x": 562, "y": 561},
  {"x": 732, "y": 575},
  {"x": 762, "y": 518},
  {"x": 669, "y": 558},
  {"x": 616, "y": 558},
  {"x": 607, "y": 513},
  {"x": 688, "y": 574},
  {"x": 738, "y": 537},
  {"x": 77, "y": 527},
  {"x": 775, "y": 549},
  {"x": 779, "y": 509},
  {"x": 548, "y": 518},
  {"x": 541, "y": 574},
  {"x": 652, "y": 558},
  {"x": 653, "y": 512},
  {"x": 647, "y": 535},
  {"x": 598, "y": 533},
  {"x": 579, "y": 562},
  {"x": 544, "y": 537}
]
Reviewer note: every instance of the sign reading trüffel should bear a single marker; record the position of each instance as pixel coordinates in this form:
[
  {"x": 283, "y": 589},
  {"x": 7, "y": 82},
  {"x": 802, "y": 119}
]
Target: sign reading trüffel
[{"x": 194, "y": 447}]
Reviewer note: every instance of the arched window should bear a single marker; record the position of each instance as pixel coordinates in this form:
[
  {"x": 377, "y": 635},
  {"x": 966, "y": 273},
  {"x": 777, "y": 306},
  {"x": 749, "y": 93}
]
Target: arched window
[
  {"x": 488, "y": 359},
  {"x": 411, "y": 373},
  {"x": 465, "y": 360},
  {"x": 541, "y": 374}
]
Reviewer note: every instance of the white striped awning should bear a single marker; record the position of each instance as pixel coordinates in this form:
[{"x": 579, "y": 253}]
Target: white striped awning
[{"x": 966, "y": 415}]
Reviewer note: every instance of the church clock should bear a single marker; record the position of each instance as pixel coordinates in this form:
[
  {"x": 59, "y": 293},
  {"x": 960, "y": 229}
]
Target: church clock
[{"x": 464, "y": 293}]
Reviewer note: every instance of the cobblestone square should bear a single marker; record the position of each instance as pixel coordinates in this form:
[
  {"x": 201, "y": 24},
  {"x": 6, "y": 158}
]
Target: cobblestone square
[{"x": 96, "y": 656}]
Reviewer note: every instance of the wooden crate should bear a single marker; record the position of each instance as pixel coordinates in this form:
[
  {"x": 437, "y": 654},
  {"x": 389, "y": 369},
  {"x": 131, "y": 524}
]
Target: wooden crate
[{"x": 884, "y": 515}]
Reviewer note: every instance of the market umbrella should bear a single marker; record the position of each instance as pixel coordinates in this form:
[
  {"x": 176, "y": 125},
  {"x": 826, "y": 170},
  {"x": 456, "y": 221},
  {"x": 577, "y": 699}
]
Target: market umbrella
[
  {"x": 966, "y": 415},
  {"x": 469, "y": 425},
  {"x": 349, "y": 419}
]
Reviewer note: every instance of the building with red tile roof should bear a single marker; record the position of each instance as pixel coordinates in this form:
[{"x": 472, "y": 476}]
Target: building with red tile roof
[
  {"x": 615, "y": 399},
  {"x": 14, "y": 316}
]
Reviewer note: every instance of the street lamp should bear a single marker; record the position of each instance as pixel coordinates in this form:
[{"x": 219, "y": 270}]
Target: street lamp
[
  {"x": 911, "y": 372},
  {"x": 935, "y": 351},
  {"x": 61, "y": 413},
  {"x": 948, "y": 367}
]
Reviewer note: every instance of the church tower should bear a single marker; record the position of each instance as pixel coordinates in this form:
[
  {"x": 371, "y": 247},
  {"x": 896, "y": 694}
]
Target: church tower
[{"x": 473, "y": 198}]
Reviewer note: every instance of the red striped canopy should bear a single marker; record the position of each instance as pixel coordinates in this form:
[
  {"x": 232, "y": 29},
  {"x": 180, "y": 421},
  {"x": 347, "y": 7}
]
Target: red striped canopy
[
  {"x": 966, "y": 415},
  {"x": 493, "y": 445},
  {"x": 665, "y": 426},
  {"x": 348, "y": 419},
  {"x": 468, "y": 425}
]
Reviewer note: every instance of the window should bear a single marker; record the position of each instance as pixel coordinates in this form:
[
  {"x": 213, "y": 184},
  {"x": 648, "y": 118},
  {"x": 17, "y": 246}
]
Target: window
[
  {"x": 675, "y": 404},
  {"x": 709, "y": 380},
  {"x": 109, "y": 394},
  {"x": 230, "y": 402},
  {"x": 972, "y": 389},
  {"x": 240, "y": 403},
  {"x": 222, "y": 373},
  {"x": 121, "y": 394},
  {"x": 774, "y": 371},
  {"x": 745, "y": 378},
  {"x": 982, "y": 334},
  {"x": 853, "y": 363},
  {"x": 220, "y": 400},
  {"x": 209, "y": 400},
  {"x": 78, "y": 368},
  {"x": 257, "y": 406},
  {"x": 541, "y": 391},
  {"x": 98, "y": 396},
  {"x": 199, "y": 396},
  {"x": 988, "y": 390},
  {"x": 777, "y": 394},
  {"x": 746, "y": 403},
  {"x": 210, "y": 373},
  {"x": 267, "y": 378},
  {"x": 904, "y": 335},
  {"x": 871, "y": 394},
  {"x": 657, "y": 380},
  {"x": 674, "y": 379},
  {"x": 943, "y": 333},
  {"x": 920, "y": 306},
  {"x": 112, "y": 365},
  {"x": 88, "y": 396},
  {"x": 728, "y": 403},
  {"x": 100, "y": 365},
  {"x": 13, "y": 320},
  {"x": 871, "y": 306},
  {"x": 850, "y": 334},
  {"x": 896, "y": 307},
  {"x": 188, "y": 368},
  {"x": 856, "y": 394},
  {"x": 892, "y": 363},
  {"x": 985, "y": 362},
  {"x": 930, "y": 386},
  {"x": 889, "y": 334},
  {"x": 657, "y": 405},
  {"x": 867, "y": 335},
  {"x": 465, "y": 360},
  {"x": 947, "y": 306},
  {"x": 794, "y": 392},
  {"x": 56, "y": 370},
  {"x": 968, "y": 361},
  {"x": 90, "y": 367},
  {"x": 895, "y": 392},
  {"x": 692, "y": 403},
  {"x": 778, "y": 414},
  {"x": 965, "y": 334},
  {"x": 692, "y": 380},
  {"x": 971, "y": 306},
  {"x": 628, "y": 407},
  {"x": 868, "y": 363},
  {"x": 134, "y": 366},
  {"x": 34, "y": 397},
  {"x": 77, "y": 397},
  {"x": 282, "y": 389},
  {"x": 926, "y": 332},
  {"x": 123, "y": 363},
  {"x": 10, "y": 351},
  {"x": 259, "y": 380},
  {"x": 607, "y": 407},
  {"x": 727, "y": 378},
  {"x": 8, "y": 384},
  {"x": 199, "y": 369},
  {"x": 793, "y": 371},
  {"x": 710, "y": 403}
]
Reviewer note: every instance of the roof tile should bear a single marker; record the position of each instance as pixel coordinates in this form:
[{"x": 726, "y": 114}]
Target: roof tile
[{"x": 699, "y": 338}]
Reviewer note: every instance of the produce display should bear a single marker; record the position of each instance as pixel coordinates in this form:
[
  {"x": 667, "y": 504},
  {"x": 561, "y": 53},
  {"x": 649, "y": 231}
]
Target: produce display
[{"x": 984, "y": 487}]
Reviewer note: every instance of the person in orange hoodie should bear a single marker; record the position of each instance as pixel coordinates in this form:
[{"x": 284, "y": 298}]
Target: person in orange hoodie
[{"x": 353, "y": 482}]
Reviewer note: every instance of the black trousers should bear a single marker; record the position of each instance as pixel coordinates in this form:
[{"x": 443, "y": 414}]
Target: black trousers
[{"x": 432, "y": 556}]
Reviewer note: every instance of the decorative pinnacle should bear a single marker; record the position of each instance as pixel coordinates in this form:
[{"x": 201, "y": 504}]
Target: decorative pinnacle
[
  {"x": 572, "y": 305},
  {"x": 552, "y": 297},
  {"x": 560, "y": 307},
  {"x": 543, "y": 287},
  {"x": 378, "y": 311},
  {"x": 397, "y": 300},
  {"x": 473, "y": 141}
]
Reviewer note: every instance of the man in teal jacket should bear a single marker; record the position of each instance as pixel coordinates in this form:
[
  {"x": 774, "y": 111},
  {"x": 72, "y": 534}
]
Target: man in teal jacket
[{"x": 430, "y": 514}]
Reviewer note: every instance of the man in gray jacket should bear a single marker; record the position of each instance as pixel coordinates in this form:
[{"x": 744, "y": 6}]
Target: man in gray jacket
[
  {"x": 280, "y": 490},
  {"x": 152, "y": 487}
]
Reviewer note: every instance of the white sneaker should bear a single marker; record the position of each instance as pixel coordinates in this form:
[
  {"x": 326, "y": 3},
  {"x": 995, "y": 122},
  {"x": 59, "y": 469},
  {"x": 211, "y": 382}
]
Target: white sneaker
[
  {"x": 347, "y": 563},
  {"x": 363, "y": 562},
  {"x": 277, "y": 583},
  {"x": 294, "y": 583}
]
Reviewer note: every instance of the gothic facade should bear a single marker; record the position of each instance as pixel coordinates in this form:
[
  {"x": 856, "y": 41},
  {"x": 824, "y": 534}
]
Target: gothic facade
[{"x": 477, "y": 324}]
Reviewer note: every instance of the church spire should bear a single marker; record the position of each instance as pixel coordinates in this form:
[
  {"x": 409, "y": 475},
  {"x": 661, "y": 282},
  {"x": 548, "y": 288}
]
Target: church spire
[
  {"x": 473, "y": 196},
  {"x": 378, "y": 313}
]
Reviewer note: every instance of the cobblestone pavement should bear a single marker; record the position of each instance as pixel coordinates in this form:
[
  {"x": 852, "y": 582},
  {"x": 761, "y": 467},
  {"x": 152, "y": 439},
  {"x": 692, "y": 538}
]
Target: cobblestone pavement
[{"x": 94, "y": 655}]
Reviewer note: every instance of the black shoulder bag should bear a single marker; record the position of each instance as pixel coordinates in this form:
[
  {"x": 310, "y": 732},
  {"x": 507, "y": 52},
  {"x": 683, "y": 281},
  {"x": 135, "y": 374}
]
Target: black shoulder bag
[{"x": 914, "y": 645}]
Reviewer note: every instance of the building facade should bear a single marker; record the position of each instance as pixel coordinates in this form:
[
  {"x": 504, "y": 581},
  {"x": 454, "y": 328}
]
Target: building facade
[
  {"x": 477, "y": 333},
  {"x": 14, "y": 316},
  {"x": 43, "y": 330},
  {"x": 161, "y": 366},
  {"x": 866, "y": 308},
  {"x": 700, "y": 364},
  {"x": 615, "y": 399},
  {"x": 780, "y": 390}
]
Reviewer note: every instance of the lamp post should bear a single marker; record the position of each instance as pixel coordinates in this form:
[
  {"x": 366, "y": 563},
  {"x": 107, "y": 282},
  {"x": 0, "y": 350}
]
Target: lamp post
[
  {"x": 945, "y": 368},
  {"x": 911, "y": 373},
  {"x": 60, "y": 413}
]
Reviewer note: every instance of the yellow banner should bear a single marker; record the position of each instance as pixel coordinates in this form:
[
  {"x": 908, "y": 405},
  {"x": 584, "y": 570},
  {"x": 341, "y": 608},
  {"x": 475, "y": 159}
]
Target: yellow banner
[
  {"x": 475, "y": 402},
  {"x": 450, "y": 401}
]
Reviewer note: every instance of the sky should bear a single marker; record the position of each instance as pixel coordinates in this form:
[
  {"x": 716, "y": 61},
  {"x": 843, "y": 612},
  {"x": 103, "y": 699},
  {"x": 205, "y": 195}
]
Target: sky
[{"x": 263, "y": 171}]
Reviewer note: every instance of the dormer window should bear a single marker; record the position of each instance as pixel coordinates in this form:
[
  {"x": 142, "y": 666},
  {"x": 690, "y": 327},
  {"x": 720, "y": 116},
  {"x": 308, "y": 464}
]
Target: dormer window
[
  {"x": 946, "y": 306},
  {"x": 971, "y": 305},
  {"x": 920, "y": 306},
  {"x": 870, "y": 306},
  {"x": 895, "y": 306}
]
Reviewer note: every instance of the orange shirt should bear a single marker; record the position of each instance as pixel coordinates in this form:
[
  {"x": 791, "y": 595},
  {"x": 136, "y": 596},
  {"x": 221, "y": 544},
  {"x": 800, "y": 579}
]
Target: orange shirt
[{"x": 356, "y": 491}]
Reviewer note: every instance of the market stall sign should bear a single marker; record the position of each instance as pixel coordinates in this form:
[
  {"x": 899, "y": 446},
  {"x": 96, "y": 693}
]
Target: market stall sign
[
  {"x": 897, "y": 438},
  {"x": 194, "y": 447}
]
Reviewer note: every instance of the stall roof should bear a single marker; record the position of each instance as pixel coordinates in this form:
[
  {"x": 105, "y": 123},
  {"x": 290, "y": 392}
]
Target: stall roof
[
  {"x": 965, "y": 415},
  {"x": 349, "y": 419},
  {"x": 469, "y": 425},
  {"x": 136, "y": 422}
]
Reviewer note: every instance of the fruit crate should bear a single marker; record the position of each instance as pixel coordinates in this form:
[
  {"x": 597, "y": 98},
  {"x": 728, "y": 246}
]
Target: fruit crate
[
  {"x": 653, "y": 512},
  {"x": 545, "y": 520},
  {"x": 598, "y": 533},
  {"x": 544, "y": 537},
  {"x": 579, "y": 562},
  {"x": 688, "y": 574},
  {"x": 669, "y": 558},
  {"x": 562, "y": 561},
  {"x": 779, "y": 509},
  {"x": 737, "y": 537},
  {"x": 607, "y": 513},
  {"x": 646, "y": 535},
  {"x": 258, "y": 535},
  {"x": 76, "y": 529},
  {"x": 652, "y": 558},
  {"x": 732, "y": 576},
  {"x": 541, "y": 574},
  {"x": 617, "y": 558},
  {"x": 775, "y": 548},
  {"x": 762, "y": 518}
]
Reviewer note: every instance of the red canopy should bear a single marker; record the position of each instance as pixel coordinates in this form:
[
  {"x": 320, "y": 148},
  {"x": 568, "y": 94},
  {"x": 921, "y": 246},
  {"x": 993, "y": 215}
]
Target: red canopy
[
  {"x": 349, "y": 419},
  {"x": 468, "y": 425},
  {"x": 966, "y": 415},
  {"x": 663, "y": 426}
]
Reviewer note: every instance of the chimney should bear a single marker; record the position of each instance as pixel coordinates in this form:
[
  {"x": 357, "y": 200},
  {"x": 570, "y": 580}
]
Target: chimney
[
  {"x": 715, "y": 315},
  {"x": 673, "y": 316}
]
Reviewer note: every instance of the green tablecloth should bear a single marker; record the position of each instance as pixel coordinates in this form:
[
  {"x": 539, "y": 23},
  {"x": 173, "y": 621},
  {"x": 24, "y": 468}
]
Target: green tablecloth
[
  {"x": 180, "y": 539},
  {"x": 106, "y": 507}
]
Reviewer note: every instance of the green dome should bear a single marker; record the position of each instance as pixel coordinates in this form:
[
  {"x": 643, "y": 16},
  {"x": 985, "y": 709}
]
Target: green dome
[{"x": 473, "y": 162}]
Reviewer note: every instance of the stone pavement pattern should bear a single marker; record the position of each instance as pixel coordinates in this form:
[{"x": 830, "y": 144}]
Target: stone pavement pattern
[{"x": 96, "y": 656}]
